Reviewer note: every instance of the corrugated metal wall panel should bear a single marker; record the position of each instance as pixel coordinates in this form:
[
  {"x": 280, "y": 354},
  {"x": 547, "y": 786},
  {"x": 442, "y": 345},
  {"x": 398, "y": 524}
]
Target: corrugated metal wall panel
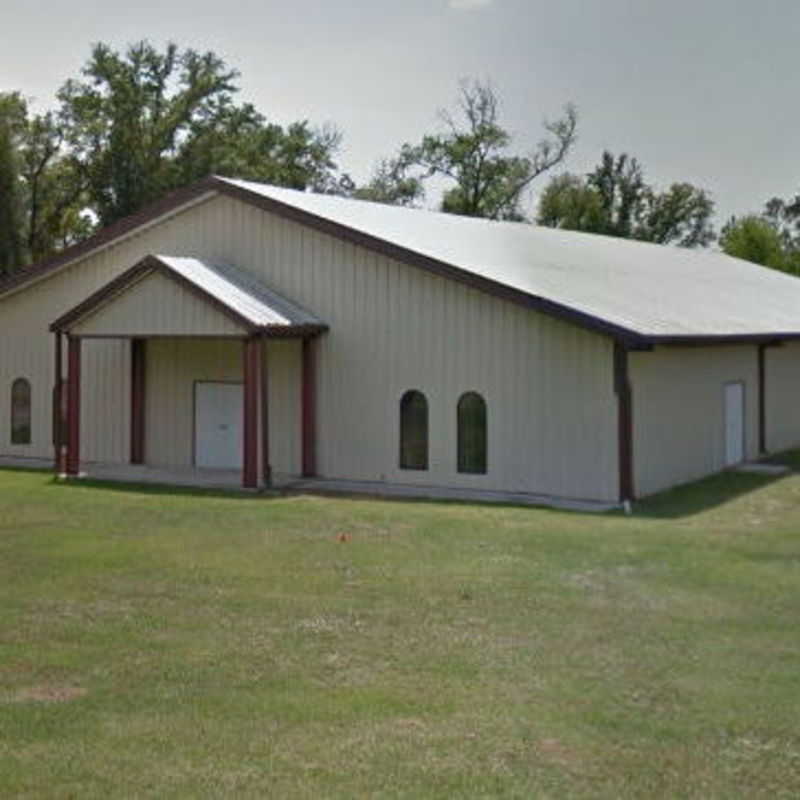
[
  {"x": 678, "y": 411},
  {"x": 157, "y": 306},
  {"x": 548, "y": 385},
  {"x": 173, "y": 367},
  {"x": 26, "y": 347},
  {"x": 782, "y": 389}
]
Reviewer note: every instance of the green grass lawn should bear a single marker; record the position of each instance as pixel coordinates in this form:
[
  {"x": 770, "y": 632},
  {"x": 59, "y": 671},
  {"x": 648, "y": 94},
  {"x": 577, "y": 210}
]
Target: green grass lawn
[{"x": 169, "y": 644}]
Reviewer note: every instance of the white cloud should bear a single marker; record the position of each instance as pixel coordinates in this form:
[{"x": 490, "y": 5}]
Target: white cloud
[{"x": 462, "y": 5}]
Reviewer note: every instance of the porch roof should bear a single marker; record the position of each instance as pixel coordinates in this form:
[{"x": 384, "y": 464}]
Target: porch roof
[{"x": 179, "y": 296}]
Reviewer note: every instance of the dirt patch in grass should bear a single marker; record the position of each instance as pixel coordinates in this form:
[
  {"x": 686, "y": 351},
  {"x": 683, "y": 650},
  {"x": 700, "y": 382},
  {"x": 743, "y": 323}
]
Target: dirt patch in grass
[
  {"x": 558, "y": 752},
  {"x": 49, "y": 694}
]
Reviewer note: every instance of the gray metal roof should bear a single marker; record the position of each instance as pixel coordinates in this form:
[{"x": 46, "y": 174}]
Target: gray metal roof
[
  {"x": 654, "y": 291},
  {"x": 241, "y": 293}
]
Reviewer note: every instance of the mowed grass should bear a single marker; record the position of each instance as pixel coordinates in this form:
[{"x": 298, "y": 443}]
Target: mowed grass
[{"x": 168, "y": 644}]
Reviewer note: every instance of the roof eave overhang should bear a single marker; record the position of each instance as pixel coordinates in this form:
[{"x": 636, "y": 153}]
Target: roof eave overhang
[
  {"x": 207, "y": 187},
  {"x": 152, "y": 264},
  {"x": 700, "y": 340}
]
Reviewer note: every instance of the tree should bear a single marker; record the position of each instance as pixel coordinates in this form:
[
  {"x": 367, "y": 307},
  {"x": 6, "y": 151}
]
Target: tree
[
  {"x": 55, "y": 194},
  {"x": 568, "y": 202},
  {"x": 392, "y": 184},
  {"x": 614, "y": 199},
  {"x": 10, "y": 229},
  {"x": 47, "y": 195},
  {"x": 147, "y": 122},
  {"x": 756, "y": 239},
  {"x": 472, "y": 155}
]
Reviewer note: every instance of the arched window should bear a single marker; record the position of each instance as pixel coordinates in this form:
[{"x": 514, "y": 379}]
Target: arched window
[
  {"x": 21, "y": 411},
  {"x": 413, "y": 430},
  {"x": 471, "y": 433}
]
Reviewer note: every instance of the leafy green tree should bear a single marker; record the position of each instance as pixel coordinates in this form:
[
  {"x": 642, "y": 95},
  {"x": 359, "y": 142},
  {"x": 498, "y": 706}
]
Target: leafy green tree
[
  {"x": 784, "y": 216},
  {"x": 48, "y": 194},
  {"x": 472, "y": 155},
  {"x": 568, "y": 202},
  {"x": 756, "y": 239},
  {"x": 140, "y": 124},
  {"x": 127, "y": 119},
  {"x": 10, "y": 224},
  {"x": 614, "y": 199},
  {"x": 392, "y": 184},
  {"x": 55, "y": 193}
]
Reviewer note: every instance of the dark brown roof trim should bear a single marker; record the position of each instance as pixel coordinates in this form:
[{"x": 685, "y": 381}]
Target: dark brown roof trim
[
  {"x": 171, "y": 202},
  {"x": 442, "y": 268},
  {"x": 626, "y": 336},
  {"x": 152, "y": 264},
  {"x": 700, "y": 340}
]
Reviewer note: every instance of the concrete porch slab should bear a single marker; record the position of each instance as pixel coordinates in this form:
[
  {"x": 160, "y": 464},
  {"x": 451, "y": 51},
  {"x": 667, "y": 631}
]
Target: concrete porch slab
[
  {"x": 231, "y": 480},
  {"x": 763, "y": 469},
  {"x": 411, "y": 492}
]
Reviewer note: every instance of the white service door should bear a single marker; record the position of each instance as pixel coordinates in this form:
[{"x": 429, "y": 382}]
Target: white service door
[
  {"x": 218, "y": 425},
  {"x": 734, "y": 423}
]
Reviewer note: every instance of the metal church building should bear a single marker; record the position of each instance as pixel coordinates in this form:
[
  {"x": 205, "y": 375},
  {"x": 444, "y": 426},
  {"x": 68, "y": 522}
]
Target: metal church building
[{"x": 272, "y": 336}]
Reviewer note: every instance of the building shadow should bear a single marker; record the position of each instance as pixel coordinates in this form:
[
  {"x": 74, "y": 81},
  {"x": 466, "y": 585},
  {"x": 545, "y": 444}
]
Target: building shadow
[{"x": 689, "y": 499}]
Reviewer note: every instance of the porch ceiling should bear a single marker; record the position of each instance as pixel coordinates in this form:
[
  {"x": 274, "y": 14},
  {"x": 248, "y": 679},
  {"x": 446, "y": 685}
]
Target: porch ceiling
[{"x": 175, "y": 296}]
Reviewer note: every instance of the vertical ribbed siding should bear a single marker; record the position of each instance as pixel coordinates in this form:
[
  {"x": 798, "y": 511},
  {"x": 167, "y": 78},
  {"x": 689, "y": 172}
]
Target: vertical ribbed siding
[
  {"x": 173, "y": 367},
  {"x": 678, "y": 411},
  {"x": 548, "y": 385},
  {"x": 782, "y": 390},
  {"x": 26, "y": 347},
  {"x": 158, "y": 306}
]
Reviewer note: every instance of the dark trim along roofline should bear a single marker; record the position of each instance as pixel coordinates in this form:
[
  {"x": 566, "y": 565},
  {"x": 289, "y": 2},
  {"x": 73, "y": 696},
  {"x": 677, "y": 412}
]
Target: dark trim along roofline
[
  {"x": 152, "y": 264},
  {"x": 627, "y": 337},
  {"x": 171, "y": 202}
]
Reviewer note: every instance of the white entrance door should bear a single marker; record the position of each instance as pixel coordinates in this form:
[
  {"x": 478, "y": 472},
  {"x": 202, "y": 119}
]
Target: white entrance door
[
  {"x": 218, "y": 425},
  {"x": 734, "y": 423}
]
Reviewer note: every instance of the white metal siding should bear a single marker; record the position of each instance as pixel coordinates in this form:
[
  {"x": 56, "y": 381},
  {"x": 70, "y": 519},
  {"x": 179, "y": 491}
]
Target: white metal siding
[
  {"x": 26, "y": 347},
  {"x": 173, "y": 366},
  {"x": 157, "y": 306},
  {"x": 548, "y": 384},
  {"x": 678, "y": 411}
]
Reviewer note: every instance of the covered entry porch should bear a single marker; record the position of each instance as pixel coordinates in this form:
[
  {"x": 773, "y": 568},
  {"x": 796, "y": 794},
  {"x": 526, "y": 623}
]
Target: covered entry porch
[{"x": 203, "y": 340}]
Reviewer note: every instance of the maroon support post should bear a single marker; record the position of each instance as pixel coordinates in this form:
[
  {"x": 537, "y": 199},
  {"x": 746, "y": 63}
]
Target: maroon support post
[
  {"x": 265, "y": 465},
  {"x": 251, "y": 392},
  {"x": 74, "y": 405},
  {"x": 58, "y": 389},
  {"x": 309, "y": 411},
  {"x": 137, "y": 400}
]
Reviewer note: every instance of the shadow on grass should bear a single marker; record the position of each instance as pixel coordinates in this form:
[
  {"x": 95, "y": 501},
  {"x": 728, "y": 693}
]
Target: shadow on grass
[
  {"x": 707, "y": 493},
  {"x": 681, "y": 501},
  {"x": 171, "y": 490},
  {"x": 167, "y": 490},
  {"x": 788, "y": 458}
]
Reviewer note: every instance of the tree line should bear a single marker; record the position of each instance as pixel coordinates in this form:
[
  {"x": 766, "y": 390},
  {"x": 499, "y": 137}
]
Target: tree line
[{"x": 136, "y": 125}]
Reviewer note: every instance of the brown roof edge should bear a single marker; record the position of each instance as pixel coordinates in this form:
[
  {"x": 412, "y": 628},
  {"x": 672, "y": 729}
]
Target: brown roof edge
[
  {"x": 411, "y": 257},
  {"x": 125, "y": 225},
  {"x": 707, "y": 339},
  {"x": 119, "y": 284},
  {"x": 625, "y": 336},
  {"x": 151, "y": 264}
]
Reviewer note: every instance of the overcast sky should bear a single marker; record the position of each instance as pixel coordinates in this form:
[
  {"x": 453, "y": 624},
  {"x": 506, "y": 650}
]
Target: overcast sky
[{"x": 697, "y": 90}]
